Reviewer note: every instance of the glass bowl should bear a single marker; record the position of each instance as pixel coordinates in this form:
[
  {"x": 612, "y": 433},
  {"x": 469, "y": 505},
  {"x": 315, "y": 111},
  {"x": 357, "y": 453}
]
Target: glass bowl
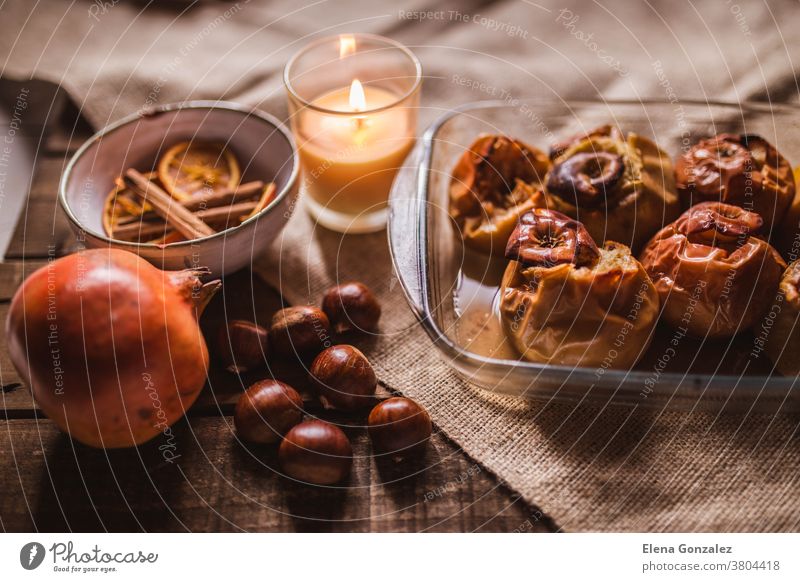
[{"x": 444, "y": 283}]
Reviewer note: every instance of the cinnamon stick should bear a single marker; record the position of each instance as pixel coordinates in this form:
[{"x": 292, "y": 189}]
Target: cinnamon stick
[
  {"x": 167, "y": 207},
  {"x": 142, "y": 231},
  {"x": 220, "y": 215},
  {"x": 223, "y": 214},
  {"x": 223, "y": 197},
  {"x": 210, "y": 200}
]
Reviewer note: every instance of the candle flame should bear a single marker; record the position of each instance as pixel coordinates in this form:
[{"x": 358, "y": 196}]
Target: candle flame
[
  {"x": 358, "y": 101},
  {"x": 347, "y": 45}
]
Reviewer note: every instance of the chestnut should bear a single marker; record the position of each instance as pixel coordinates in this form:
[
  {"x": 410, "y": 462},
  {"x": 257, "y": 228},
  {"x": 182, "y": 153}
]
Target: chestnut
[
  {"x": 266, "y": 411},
  {"x": 344, "y": 378},
  {"x": 351, "y": 307},
  {"x": 242, "y": 346},
  {"x": 399, "y": 425},
  {"x": 300, "y": 330},
  {"x": 316, "y": 452}
]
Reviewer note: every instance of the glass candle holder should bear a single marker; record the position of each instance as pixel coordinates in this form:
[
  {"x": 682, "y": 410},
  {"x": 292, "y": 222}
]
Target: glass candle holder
[{"x": 353, "y": 102}]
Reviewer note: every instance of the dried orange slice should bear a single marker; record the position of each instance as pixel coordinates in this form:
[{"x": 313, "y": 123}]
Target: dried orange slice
[
  {"x": 169, "y": 238},
  {"x": 197, "y": 167},
  {"x": 122, "y": 206},
  {"x": 267, "y": 196}
]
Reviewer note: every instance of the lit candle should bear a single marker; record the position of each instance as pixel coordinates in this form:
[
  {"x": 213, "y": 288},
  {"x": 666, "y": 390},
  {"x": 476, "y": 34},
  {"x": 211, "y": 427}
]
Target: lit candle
[{"x": 353, "y": 138}]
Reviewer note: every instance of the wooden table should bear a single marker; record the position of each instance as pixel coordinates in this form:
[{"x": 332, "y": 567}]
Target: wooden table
[{"x": 52, "y": 483}]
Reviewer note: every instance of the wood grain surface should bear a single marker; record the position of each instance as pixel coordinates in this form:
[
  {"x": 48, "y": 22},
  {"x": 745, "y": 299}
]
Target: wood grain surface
[{"x": 213, "y": 482}]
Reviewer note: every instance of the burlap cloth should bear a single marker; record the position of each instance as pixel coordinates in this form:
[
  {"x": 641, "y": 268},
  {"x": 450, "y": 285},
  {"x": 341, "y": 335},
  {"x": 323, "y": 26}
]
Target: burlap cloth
[{"x": 615, "y": 469}]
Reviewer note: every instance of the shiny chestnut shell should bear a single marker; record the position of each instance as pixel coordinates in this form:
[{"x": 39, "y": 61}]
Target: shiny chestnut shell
[
  {"x": 351, "y": 307},
  {"x": 400, "y": 426},
  {"x": 266, "y": 411},
  {"x": 242, "y": 346},
  {"x": 344, "y": 378},
  {"x": 316, "y": 452},
  {"x": 300, "y": 330}
]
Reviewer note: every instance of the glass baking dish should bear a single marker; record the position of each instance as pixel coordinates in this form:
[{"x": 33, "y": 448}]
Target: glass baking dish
[{"x": 442, "y": 280}]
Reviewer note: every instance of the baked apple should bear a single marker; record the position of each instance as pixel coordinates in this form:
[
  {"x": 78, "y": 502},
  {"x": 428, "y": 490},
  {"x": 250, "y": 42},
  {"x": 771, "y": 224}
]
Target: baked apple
[
  {"x": 621, "y": 188},
  {"x": 783, "y": 339},
  {"x": 611, "y": 131},
  {"x": 742, "y": 170},
  {"x": 787, "y": 236},
  {"x": 565, "y": 301},
  {"x": 714, "y": 275},
  {"x": 493, "y": 184}
]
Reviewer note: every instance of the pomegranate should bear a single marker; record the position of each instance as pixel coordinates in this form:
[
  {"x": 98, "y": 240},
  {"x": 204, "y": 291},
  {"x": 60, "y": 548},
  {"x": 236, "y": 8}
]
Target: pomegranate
[{"x": 110, "y": 345}]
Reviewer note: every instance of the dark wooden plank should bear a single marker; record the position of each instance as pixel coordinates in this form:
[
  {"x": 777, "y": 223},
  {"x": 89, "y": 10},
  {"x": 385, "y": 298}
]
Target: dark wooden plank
[
  {"x": 15, "y": 397},
  {"x": 42, "y": 229},
  {"x": 69, "y": 133},
  {"x": 64, "y": 141},
  {"x": 13, "y": 273},
  {"x": 219, "y": 485},
  {"x": 51, "y": 483}
]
